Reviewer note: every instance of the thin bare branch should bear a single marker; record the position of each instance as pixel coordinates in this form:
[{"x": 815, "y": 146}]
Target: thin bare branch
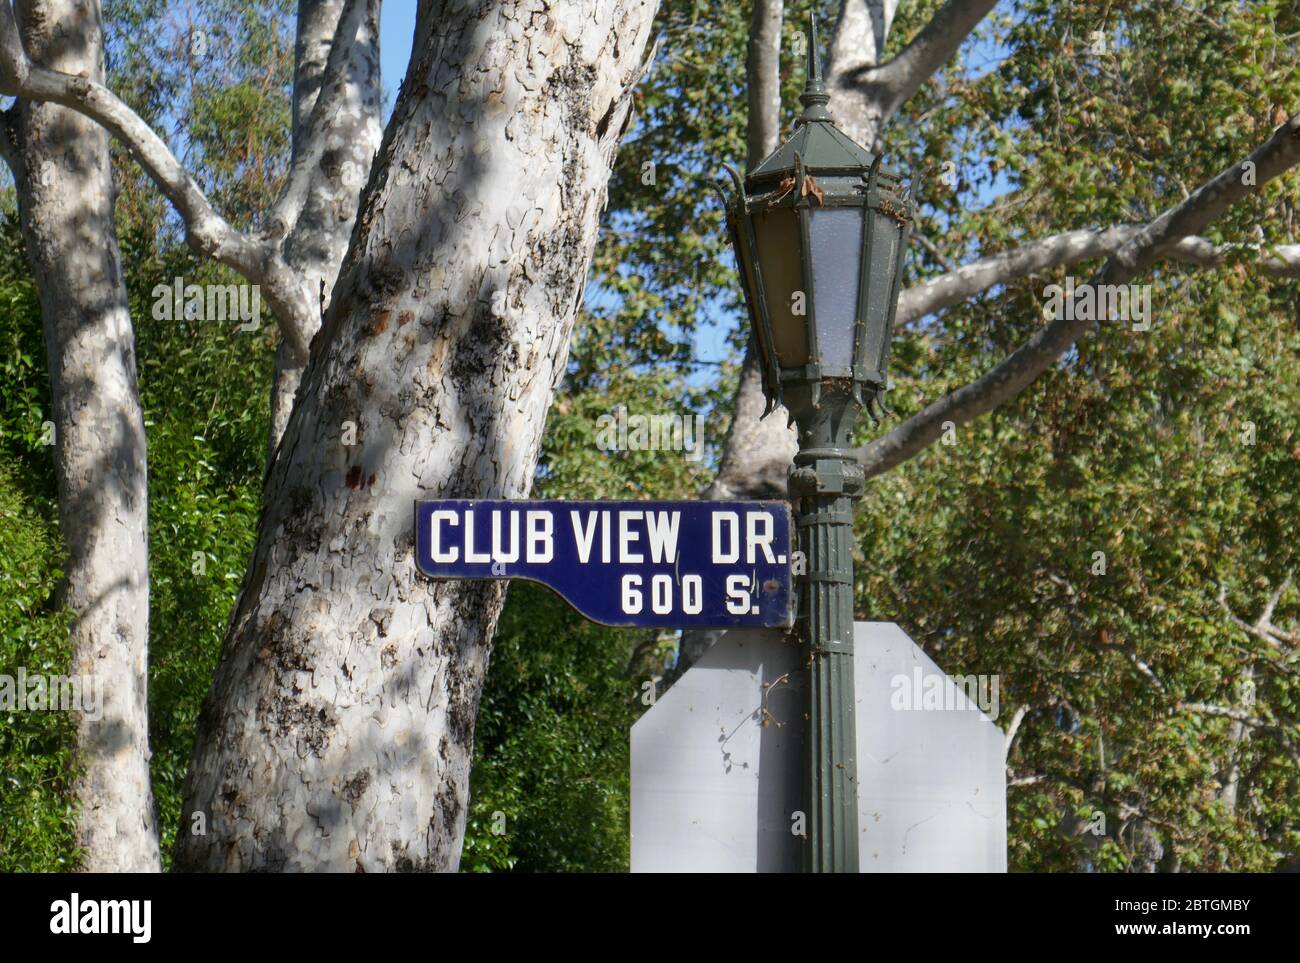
[
  {"x": 1263, "y": 627},
  {"x": 1282, "y": 261},
  {"x": 1285, "y": 735},
  {"x": 1018, "y": 781},
  {"x": 1014, "y": 728},
  {"x": 1146, "y": 671},
  {"x": 1266, "y": 617},
  {"x": 935, "y": 253}
]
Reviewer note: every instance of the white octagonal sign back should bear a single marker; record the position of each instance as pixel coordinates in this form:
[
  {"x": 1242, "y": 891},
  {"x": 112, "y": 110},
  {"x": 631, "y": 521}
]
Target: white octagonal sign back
[{"x": 716, "y": 762}]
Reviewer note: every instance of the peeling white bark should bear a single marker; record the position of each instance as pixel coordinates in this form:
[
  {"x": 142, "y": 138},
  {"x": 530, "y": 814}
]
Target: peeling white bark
[
  {"x": 60, "y": 163},
  {"x": 856, "y": 44},
  {"x": 339, "y": 731},
  {"x": 333, "y": 150}
]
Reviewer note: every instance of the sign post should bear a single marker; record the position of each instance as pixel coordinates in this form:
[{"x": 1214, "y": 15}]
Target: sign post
[{"x": 820, "y": 232}]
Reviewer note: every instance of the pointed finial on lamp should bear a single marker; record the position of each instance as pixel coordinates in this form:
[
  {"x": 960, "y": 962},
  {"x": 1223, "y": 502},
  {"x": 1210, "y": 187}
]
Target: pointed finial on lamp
[{"x": 814, "y": 97}]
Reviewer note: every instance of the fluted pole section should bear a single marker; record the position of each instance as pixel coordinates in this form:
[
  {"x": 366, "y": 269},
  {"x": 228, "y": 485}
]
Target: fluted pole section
[
  {"x": 824, "y": 483},
  {"x": 826, "y": 535}
]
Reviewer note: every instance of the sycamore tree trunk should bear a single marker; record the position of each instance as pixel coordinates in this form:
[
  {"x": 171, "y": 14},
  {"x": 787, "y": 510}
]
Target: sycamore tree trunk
[
  {"x": 60, "y": 162},
  {"x": 316, "y": 246},
  {"x": 339, "y": 730}
]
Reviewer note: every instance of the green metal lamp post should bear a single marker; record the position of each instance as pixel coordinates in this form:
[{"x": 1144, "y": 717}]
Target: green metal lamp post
[{"x": 820, "y": 230}]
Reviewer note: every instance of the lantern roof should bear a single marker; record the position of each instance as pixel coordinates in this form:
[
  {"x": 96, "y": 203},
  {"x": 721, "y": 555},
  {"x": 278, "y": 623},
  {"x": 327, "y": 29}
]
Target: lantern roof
[{"x": 819, "y": 144}]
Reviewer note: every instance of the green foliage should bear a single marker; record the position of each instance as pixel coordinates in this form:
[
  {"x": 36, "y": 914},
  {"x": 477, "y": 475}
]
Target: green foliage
[
  {"x": 551, "y": 743},
  {"x": 205, "y": 389},
  {"x": 36, "y": 767},
  {"x": 37, "y": 821},
  {"x": 1134, "y": 445},
  {"x": 985, "y": 551},
  {"x": 214, "y": 79}
]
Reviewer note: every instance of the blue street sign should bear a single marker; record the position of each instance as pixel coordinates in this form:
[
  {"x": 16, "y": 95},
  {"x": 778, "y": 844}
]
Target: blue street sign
[{"x": 693, "y": 564}]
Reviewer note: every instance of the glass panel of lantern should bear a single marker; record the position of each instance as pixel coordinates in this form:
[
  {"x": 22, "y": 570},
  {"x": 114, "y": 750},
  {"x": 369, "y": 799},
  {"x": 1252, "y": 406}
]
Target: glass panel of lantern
[
  {"x": 777, "y": 233},
  {"x": 885, "y": 250},
  {"x": 835, "y": 236}
]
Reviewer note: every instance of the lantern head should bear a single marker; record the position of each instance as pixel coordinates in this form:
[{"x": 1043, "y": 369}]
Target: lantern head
[{"x": 819, "y": 229}]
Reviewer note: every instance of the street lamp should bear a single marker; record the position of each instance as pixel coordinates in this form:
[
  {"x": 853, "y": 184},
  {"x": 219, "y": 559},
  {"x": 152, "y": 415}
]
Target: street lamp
[{"x": 820, "y": 229}]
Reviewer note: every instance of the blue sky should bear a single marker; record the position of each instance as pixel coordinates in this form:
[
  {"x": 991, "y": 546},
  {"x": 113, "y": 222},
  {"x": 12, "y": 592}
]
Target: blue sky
[{"x": 396, "y": 29}]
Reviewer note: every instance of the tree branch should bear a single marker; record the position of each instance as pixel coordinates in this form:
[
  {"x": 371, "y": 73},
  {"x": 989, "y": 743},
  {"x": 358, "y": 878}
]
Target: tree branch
[
  {"x": 857, "y": 44},
  {"x": 1013, "y": 729},
  {"x": 206, "y": 231},
  {"x": 1070, "y": 247},
  {"x": 763, "y": 73},
  {"x": 13, "y": 58},
  {"x": 1266, "y": 617},
  {"x": 1263, "y": 627},
  {"x": 1227, "y": 712},
  {"x": 1017, "y": 781},
  {"x": 1246, "y": 719},
  {"x": 1283, "y": 262},
  {"x": 933, "y": 248},
  {"x": 1146, "y": 670},
  {"x": 1026, "y": 363},
  {"x": 892, "y": 83}
]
